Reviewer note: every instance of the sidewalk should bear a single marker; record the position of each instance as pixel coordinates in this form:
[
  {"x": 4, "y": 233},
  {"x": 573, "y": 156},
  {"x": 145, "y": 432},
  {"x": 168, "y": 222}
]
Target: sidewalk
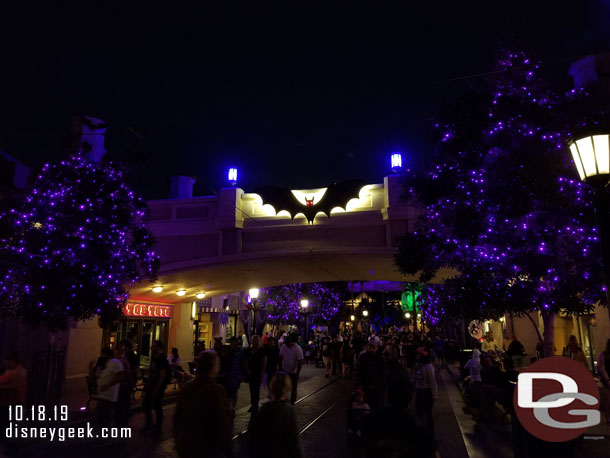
[
  {"x": 494, "y": 439},
  {"x": 490, "y": 439},
  {"x": 449, "y": 436}
]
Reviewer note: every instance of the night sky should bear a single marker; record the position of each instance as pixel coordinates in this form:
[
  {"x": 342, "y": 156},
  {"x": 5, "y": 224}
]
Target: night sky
[{"x": 294, "y": 96}]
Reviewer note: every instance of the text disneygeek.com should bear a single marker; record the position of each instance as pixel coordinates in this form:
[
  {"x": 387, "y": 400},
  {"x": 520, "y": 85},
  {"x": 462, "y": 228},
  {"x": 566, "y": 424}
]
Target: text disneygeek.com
[{"x": 61, "y": 433}]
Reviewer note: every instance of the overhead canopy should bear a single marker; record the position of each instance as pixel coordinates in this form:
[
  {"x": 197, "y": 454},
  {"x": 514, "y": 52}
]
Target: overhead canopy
[{"x": 242, "y": 274}]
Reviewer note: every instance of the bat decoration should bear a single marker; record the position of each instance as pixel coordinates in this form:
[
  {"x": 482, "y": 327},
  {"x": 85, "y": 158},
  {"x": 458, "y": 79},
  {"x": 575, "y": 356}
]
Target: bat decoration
[{"x": 311, "y": 202}]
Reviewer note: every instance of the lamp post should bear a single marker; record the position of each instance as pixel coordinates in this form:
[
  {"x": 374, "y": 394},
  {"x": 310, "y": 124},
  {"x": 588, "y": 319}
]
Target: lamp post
[
  {"x": 196, "y": 313},
  {"x": 591, "y": 155},
  {"x": 304, "y": 305},
  {"x": 253, "y": 292}
]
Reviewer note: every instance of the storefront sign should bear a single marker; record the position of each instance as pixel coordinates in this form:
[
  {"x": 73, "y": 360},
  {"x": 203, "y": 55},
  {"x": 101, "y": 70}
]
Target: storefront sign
[{"x": 154, "y": 311}]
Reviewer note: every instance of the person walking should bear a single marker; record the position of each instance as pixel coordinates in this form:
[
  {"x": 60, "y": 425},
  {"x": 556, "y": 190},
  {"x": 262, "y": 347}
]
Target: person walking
[
  {"x": 575, "y": 351},
  {"x": 256, "y": 358},
  {"x": 202, "y": 420},
  {"x": 473, "y": 366},
  {"x": 274, "y": 433},
  {"x": 13, "y": 384},
  {"x": 347, "y": 358},
  {"x": 426, "y": 390},
  {"x": 272, "y": 352},
  {"x": 516, "y": 351},
  {"x": 158, "y": 377},
  {"x": 174, "y": 361},
  {"x": 393, "y": 431},
  {"x": 108, "y": 386},
  {"x": 336, "y": 356},
  {"x": 244, "y": 340},
  {"x": 126, "y": 383},
  {"x": 358, "y": 345},
  {"x": 603, "y": 367},
  {"x": 327, "y": 355},
  {"x": 291, "y": 362},
  {"x": 439, "y": 350},
  {"x": 371, "y": 372},
  {"x": 391, "y": 356}
]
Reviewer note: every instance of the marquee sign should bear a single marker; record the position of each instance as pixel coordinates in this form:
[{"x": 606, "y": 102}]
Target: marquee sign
[{"x": 148, "y": 310}]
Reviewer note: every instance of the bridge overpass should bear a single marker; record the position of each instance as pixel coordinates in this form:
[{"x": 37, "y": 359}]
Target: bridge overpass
[{"x": 234, "y": 241}]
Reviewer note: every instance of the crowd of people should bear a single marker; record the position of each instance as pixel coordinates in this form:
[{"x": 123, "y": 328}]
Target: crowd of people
[{"x": 388, "y": 371}]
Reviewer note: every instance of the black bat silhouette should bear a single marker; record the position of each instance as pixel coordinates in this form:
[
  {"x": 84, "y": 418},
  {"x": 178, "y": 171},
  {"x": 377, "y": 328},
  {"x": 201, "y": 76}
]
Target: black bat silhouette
[{"x": 336, "y": 195}]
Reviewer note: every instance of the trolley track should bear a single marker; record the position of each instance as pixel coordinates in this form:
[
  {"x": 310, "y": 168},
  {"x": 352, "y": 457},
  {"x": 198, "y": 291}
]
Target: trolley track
[{"x": 303, "y": 414}]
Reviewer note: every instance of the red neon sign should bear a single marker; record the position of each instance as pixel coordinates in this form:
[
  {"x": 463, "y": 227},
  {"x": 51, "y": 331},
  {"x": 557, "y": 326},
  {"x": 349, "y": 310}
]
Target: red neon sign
[{"x": 155, "y": 311}]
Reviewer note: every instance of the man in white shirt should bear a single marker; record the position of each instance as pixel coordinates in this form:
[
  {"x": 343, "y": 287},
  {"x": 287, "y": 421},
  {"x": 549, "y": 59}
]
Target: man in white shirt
[
  {"x": 108, "y": 385},
  {"x": 291, "y": 362}
]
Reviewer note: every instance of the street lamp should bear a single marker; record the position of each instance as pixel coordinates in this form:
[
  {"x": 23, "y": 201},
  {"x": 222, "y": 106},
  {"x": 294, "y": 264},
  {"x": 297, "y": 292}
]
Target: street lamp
[
  {"x": 253, "y": 292},
  {"x": 365, "y": 313},
  {"x": 591, "y": 155},
  {"x": 592, "y": 158},
  {"x": 352, "y": 317},
  {"x": 407, "y": 315},
  {"x": 304, "y": 305},
  {"x": 396, "y": 162}
]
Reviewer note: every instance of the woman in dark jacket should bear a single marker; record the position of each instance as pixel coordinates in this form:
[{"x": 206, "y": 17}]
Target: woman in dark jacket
[
  {"x": 256, "y": 358},
  {"x": 202, "y": 422},
  {"x": 272, "y": 351},
  {"x": 274, "y": 433}
]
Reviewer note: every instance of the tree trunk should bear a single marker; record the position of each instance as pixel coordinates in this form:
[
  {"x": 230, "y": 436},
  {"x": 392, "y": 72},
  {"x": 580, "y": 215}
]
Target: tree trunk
[
  {"x": 533, "y": 324},
  {"x": 549, "y": 335}
]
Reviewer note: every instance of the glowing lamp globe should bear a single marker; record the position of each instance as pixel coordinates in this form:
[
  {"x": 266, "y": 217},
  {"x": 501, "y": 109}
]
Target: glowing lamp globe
[
  {"x": 253, "y": 293},
  {"x": 181, "y": 292},
  {"x": 200, "y": 295},
  {"x": 232, "y": 176},
  {"x": 407, "y": 315},
  {"x": 365, "y": 313},
  {"x": 352, "y": 317},
  {"x": 396, "y": 162},
  {"x": 157, "y": 289},
  {"x": 592, "y": 158},
  {"x": 304, "y": 303}
]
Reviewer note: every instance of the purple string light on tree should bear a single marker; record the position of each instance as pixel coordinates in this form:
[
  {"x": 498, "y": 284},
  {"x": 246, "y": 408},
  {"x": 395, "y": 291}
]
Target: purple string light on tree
[{"x": 74, "y": 244}]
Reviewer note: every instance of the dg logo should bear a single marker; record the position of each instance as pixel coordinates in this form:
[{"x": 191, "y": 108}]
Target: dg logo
[{"x": 557, "y": 399}]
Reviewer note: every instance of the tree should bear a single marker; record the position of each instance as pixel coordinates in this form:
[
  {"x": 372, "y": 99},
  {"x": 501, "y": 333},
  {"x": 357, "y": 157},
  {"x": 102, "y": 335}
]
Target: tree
[
  {"x": 283, "y": 303},
  {"x": 74, "y": 245},
  {"x": 503, "y": 208}
]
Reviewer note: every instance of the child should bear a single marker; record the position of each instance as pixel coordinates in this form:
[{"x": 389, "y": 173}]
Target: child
[{"x": 358, "y": 411}]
